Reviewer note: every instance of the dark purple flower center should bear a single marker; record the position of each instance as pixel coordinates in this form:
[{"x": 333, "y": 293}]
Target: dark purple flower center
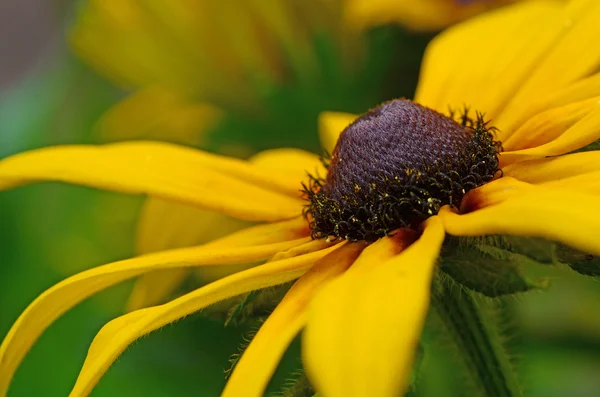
[{"x": 397, "y": 165}]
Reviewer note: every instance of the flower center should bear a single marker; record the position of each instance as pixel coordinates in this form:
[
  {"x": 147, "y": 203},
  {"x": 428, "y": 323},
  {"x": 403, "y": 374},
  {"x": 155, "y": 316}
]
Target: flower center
[{"x": 397, "y": 165}]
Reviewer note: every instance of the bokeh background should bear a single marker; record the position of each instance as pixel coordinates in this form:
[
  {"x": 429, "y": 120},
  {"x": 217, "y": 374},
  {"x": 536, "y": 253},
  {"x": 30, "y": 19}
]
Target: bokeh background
[{"x": 57, "y": 87}]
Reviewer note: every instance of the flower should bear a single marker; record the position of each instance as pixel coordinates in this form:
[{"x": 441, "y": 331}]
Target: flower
[
  {"x": 193, "y": 62},
  {"x": 528, "y": 67},
  {"x": 421, "y": 15}
]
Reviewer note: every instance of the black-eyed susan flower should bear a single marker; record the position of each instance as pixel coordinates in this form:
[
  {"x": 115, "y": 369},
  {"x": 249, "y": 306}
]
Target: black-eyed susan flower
[{"x": 400, "y": 178}]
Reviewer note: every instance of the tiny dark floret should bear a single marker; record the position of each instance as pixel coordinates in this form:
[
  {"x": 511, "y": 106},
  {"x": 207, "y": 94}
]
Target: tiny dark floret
[{"x": 397, "y": 165}]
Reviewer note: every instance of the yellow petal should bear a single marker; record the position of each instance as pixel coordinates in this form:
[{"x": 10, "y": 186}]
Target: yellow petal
[
  {"x": 482, "y": 62},
  {"x": 578, "y": 91},
  {"x": 331, "y": 125},
  {"x": 585, "y": 183},
  {"x": 583, "y": 132},
  {"x": 172, "y": 44},
  {"x": 158, "y": 113},
  {"x": 293, "y": 162},
  {"x": 554, "y": 168},
  {"x": 115, "y": 336},
  {"x": 55, "y": 301},
  {"x": 260, "y": 359},
  {"x": 166, "y": 225},
  {"x": 492, "y": 193},
  {"x": 549, "y": 125},
  {"x": 567, "y": 60},
  {"x": 569, "y": 217},
  {"x": 363, "y": 328},
  {"x": 159, "y": 169}
]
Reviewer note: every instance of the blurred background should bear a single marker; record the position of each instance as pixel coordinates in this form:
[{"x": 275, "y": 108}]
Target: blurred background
[{"x": 232, "y": 77}]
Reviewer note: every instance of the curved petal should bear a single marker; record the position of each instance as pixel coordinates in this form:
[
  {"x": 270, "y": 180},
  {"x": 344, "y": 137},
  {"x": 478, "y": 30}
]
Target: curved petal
[
  {"x": 55, "y": 301},
  {"x": 363, "y": 328},
  {"x": 492, "y": 193},
  {"x": 482, "y": 62},
  {"x": 115, "y": 336},
  {"x": 583, "y": 132},
  {"x": 158, "y": 113},
  {"x": 173, "y": 172},
  {"x": 260, "y": 359},
  {"x": 331, "y": 125},
  {"x": 554, "y": 168},
  {"x": 549, "y": 125},
  {"x": 166, "y": 225},
  {"x": 584, "y": 183},
  {"x": 565, "y": 216},
  {"x": 579, "y": 30}
]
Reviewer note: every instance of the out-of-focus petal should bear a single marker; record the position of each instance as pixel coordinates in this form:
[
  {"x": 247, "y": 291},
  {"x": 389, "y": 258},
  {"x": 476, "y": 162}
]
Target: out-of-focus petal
[
  {"x": 419, "y": 15},
  {"x": 55, "y": 301},
  {"x": 363, "y": 328},
  {"x": 558, "y": 215},
  {"x": 260, "y": 359},
  {"x": 118, "y": 334},
  {"x": 158, "y": 113},
  {"x": 163, "y": 170},
  {"x": 331, "y": 125}
]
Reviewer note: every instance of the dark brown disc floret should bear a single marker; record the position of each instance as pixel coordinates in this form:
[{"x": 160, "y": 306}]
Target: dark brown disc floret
[{"x": 397, "y": 165}]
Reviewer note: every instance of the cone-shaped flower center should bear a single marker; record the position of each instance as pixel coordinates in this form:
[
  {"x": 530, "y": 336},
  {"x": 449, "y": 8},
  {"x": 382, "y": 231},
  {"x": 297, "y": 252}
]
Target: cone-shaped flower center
[{"x": 397, "y": 165}]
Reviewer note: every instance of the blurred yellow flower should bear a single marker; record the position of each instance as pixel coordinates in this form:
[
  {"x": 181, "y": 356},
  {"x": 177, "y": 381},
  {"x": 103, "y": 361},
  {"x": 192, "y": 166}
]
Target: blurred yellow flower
[
  {"x": 361, "y": 305},
  {"x": 419, "y": 15},
  {"x": 191, "y": 59}
]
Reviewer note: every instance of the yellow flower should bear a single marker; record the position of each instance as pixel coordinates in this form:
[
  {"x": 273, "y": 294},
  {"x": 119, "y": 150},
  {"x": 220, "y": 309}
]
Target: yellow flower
[
  {"x": 531, "y": 68},
  {"x": 189, "y": 61},
  {"x": 421, "y": 15}
]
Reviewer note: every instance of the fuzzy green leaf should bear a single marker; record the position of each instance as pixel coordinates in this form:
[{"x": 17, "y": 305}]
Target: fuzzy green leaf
[
  {"x": 485, "y": 268},
  {"x": 586, "y": 264},
  {"x": 480, "y": 341}
]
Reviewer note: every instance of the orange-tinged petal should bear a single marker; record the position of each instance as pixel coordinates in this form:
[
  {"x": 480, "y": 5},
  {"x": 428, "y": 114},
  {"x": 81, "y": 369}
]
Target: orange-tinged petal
[
  {"x": 57, "y": 300},
  {"x": 569, "y": 217},
  {"x": 554, "y": 168},
  {"x": 162, "y": 170},
  {"x": 158, "y": 113},
  {"x": 582, "y": 133},
  {"x": 331, "y": 125},
  {"x": 492, "y": 193},
  {"x": 481, "y": 63},
  {"x": 115, "y": 336},
  {"x": 363, "y": 328},
  {"x": 550, "y": 124},
  {"x": 260, "y": 359}
]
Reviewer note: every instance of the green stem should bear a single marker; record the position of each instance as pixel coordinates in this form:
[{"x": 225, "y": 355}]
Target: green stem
[{"x": 479, "y": 341}]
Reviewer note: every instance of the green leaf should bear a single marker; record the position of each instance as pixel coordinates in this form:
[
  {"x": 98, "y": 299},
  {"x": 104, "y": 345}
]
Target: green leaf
[
  {"x": 480, "y": 341},
  {"x": 485, "y": 268},
  {"x": 582, "y": 263}
]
